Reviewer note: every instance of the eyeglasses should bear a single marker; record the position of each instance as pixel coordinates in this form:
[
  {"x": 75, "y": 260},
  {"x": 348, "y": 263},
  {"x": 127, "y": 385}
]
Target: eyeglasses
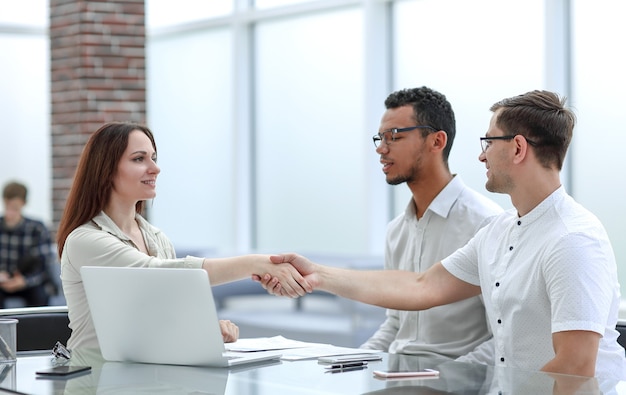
[
  {"x": 390, "y": 135},
  {"x": 485, "y": 142}
]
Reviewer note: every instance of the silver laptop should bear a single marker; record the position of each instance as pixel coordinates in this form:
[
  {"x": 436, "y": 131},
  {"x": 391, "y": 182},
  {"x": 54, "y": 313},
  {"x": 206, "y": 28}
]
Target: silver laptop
[{"x": 159, "y": 315}]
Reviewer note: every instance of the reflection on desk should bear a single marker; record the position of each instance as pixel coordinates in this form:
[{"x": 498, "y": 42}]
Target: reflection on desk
[{"x": 298, "y": 377}]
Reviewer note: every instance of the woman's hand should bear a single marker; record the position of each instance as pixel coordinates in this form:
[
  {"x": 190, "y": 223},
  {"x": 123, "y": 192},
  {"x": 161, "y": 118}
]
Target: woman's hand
[
  {"x": 291, "y": 282},
  {"x": 230, "y": 331},
  {"x": 304, "y": 267}
]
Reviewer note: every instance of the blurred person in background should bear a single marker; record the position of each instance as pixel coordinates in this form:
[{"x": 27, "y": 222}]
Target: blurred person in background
[{"x": 25, "y": 251}]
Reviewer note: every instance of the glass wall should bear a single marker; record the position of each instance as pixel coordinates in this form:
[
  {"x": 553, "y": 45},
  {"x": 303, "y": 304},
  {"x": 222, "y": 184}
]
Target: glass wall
[
  {"x": 599, "y": 84},
  {"x": 303, "y": 175},
  {"x": 25, "y": 153},
  {"x": 264, "y": 110},
  {"x": 162, "y": 14},
  {"x": 474, "y": 64},
  {"x": 276, "y": 3},
  {"x": 310, "y": 138},
  {"x": 189, "y": 107}
]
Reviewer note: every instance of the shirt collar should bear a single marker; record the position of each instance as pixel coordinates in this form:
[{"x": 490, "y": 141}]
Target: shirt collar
[
  {"x": 106, "y": 224},
  {"x": 545, "y": 205},
  {"x": 443, "y": 202},
  {"x": 18, "y": 226}
]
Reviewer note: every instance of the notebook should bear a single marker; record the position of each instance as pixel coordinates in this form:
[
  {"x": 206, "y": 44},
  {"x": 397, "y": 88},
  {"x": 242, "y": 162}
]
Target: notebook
[{"x": 159, "y": 315}]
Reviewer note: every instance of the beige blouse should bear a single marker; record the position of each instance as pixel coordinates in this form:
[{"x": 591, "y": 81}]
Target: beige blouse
[{"x": 100, "y": 242}]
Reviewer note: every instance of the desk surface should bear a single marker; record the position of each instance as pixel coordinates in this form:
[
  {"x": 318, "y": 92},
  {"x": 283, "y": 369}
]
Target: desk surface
[{"x": 301, "y": 377}]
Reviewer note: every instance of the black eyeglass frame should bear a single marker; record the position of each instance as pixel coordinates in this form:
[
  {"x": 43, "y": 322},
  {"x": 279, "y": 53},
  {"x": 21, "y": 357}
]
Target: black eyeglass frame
[
  {"x": 484, "y": 140},
  {"x": 380, "y": 137}
]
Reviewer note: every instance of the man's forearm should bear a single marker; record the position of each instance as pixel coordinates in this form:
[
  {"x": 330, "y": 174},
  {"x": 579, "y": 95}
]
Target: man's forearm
[
  {"x": 395, "y": 289},
  {"x": 398, "y": 290}
]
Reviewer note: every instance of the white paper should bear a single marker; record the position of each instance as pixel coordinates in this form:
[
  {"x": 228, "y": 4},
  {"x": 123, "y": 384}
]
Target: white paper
[
  {"x": 323, "y": 350},
  {"x": 267, "y": 343},
  {"x": 296, "y": 350}
]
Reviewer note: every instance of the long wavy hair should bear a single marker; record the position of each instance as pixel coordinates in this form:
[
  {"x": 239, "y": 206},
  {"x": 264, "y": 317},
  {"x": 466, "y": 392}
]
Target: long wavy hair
[{"x": 93, "y": 180}]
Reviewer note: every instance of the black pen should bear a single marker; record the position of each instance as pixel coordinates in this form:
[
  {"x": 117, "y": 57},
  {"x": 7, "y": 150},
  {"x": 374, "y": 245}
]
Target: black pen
[
  {"x": 347, "y": 365},
  {"x": 346, "y": 369}
]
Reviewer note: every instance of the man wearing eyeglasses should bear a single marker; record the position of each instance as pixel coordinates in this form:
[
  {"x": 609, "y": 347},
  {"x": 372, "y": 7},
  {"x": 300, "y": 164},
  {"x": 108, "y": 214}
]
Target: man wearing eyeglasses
[
  {"x": 415, "y": 137},
  {"x": 545, "y": 269}
]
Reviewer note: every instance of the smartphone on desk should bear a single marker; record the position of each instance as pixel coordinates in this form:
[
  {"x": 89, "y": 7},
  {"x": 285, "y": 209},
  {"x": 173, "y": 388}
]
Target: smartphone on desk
[
  {"x": 62, "y": 371},
  {"x": 346, "y": 358}
]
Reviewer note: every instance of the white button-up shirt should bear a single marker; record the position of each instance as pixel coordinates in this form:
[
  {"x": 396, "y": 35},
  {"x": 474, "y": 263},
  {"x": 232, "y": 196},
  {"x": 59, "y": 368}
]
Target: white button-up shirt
[{"x": 551, "y": 270}]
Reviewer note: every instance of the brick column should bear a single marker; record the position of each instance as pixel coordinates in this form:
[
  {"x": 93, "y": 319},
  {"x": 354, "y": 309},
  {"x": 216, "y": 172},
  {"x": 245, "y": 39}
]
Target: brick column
[{"x": 97, "y": 51}]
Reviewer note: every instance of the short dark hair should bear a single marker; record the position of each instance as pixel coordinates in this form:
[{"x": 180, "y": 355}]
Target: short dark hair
[
  {"x": 14, "y": 190},
  {"x": 429, "y": 108},
  {"x": 541, "y": 117}
]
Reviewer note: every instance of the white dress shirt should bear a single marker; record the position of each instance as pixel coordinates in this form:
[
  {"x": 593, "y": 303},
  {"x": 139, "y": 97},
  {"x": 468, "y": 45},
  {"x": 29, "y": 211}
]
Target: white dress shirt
[
  {"x": 551, "y": 270},
  {"x": 450, "y": 221},
  {"x": 100, "y": 242}
]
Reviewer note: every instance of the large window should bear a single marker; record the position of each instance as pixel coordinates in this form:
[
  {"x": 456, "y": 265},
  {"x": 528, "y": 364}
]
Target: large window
[
  {"x": 599, "y": 84},
  {"x": 163, "y": 14},
  {"x": 25, "y": 103},
  {"x": 190, "y": 112},
  {"x": 308, "y": 79},
  {"x": 484, "y": 58},
  {"x": 310, "y": 175},
  {"x": 264, "y": 110}
]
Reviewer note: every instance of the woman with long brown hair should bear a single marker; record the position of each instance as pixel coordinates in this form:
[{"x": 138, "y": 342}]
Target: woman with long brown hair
[{"x": 102, "y": 225}]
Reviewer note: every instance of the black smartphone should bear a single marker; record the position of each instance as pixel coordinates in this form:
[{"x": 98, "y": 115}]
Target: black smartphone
[{"x": 58, "y": 371}]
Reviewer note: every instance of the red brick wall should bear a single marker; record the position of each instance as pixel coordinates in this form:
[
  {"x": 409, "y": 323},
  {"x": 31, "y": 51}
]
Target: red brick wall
[{"x": 97, "y": 51}]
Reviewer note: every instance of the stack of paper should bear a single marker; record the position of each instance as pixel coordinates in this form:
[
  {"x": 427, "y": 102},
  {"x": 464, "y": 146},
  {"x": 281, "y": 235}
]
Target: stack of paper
[{"x": 294, "y": 349}]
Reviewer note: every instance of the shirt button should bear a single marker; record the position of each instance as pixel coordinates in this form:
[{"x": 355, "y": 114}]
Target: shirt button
[
  {"x": 502, "y": 359},
  {"x": 519, "y": 222},
  {"x": 499, "y": 321},
  {"x": 511, "y": 248},
  {"x": 497, "y": 284}
]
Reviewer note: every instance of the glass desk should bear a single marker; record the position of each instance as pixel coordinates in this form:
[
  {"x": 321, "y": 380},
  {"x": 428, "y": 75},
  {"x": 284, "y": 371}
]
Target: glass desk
[{"x": 281, "y": 377}]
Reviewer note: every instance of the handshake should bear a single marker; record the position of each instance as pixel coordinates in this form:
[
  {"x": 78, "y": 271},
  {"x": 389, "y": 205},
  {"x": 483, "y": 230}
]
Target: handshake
[
  {"x": 290, "y": 275},
  {"x": 293, "y": 275}
]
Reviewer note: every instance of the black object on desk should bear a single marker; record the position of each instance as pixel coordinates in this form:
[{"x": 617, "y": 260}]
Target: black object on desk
[{"x": 63, "y": 371}]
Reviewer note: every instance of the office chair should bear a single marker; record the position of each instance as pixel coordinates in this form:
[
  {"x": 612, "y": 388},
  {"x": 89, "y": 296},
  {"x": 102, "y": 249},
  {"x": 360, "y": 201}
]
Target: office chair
[{"x": 39, "y": 328}]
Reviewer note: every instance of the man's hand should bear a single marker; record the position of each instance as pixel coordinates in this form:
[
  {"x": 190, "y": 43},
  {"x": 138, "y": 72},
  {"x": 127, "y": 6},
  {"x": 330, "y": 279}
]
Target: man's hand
[
  {"x": 305, "y": 267},
  {"x": 14, "y": 284},
  {"x": 230, "y": 331},
  {"x": 286, "y": 280},
  {"x": 4, "y": 276}
]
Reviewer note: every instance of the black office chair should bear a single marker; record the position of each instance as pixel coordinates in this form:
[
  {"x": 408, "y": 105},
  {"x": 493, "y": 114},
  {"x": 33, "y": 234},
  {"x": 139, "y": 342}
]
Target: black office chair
[
  {"x": 39, "y": 328},
  {"x": 621, "y": 328}
]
